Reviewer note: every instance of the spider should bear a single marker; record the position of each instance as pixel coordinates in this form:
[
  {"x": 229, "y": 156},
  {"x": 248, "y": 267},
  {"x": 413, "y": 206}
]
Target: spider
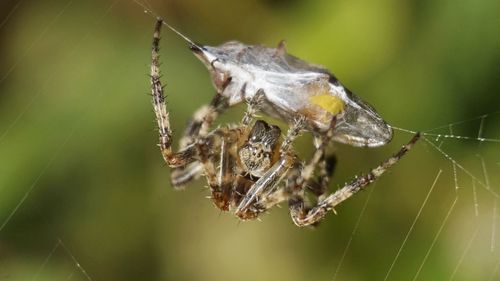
[{"x": 250, "y": 166}]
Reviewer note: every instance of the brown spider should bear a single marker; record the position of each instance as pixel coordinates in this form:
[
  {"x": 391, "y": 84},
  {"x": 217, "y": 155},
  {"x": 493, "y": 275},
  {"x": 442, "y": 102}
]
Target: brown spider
[{"x": 249, "y": 166}]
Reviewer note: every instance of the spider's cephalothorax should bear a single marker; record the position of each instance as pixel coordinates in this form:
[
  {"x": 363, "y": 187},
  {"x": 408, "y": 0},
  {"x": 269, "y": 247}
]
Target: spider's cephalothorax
[
  {"x": 244, "y": 154},
  {"x": 250, "y": 167},
  {"x": 258, "y": 153}
]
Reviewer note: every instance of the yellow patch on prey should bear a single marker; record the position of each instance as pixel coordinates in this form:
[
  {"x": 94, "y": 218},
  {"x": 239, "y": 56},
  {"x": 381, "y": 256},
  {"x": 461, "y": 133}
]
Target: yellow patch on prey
[{"x": 330, "y": 103}]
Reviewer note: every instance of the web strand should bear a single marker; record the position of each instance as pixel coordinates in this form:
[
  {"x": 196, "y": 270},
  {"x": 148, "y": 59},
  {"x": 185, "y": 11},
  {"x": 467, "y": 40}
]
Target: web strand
[
  {"x": 75, "y": 261},
  {"x": 474, "y": 194},
  {"x": 436, "y": 237},
  {"x": 35, "y": 182},
  {"x": 494, "y": 226},
  {"x": 413, "y": 225},
  {"x": 494, "y": 271},
  {"x": 464, "y": 253},
  {"x": 447, "y": 156},
  {"x": 485, "y": 173},
  {"x": 463, "y": 121},
  {"x": 72, "y": 53},
  {"x": 481, "y": 128},
  {"x": 354, "y": 231},
  {"x": 11, "y": 12},
  {"x": 455, "y": 177},
  {"x": 46, "y": 261},
  {"x": 36, "y": 41}
]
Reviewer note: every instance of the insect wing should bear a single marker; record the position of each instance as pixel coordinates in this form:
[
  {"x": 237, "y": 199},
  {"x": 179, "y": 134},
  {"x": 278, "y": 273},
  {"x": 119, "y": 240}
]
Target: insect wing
[{"x": 359, "y": 124}]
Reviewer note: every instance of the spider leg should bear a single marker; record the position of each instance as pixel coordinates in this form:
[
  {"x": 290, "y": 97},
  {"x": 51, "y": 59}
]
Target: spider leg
[
  {"x": 326, "y": 168},
  {"x": 182, "y": 175},
  {"x": 293, "y": 132},
  {"x": 222, "y": 188},
  {"x": 318, "y": 184},
  {"x": 184, "y": 169},
  {"x": 188, "y": 154},
  {"x": 202, "y": 119},
  {"x": 303, "y": 216},
  {"x": 265, "y": 185},
  {"x": 316, "y": 160},
  {"x": 241, "y": 186},
  {"x": 218, "y": 144},
  {"x": 272, "y": 197},
  {"x": 253, "y": 106},
  {"x": 266, "y": 202},
  {"x": 198, "y": 127},
  {"x": 296, "y": 184},
  {"x": 172, "y": 159},
  {"x": 320, "y": 160}
]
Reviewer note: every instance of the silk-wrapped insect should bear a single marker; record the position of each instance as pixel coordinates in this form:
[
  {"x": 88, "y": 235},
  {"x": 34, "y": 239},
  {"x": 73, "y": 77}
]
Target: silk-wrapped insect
[{"x": 249, "y": 166}]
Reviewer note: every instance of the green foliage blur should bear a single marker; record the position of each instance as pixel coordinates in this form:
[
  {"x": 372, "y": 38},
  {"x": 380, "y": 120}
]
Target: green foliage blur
[{"x": 84, "y": 193}]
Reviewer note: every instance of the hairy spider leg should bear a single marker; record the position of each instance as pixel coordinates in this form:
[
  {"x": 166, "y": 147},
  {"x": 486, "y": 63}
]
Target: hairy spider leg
[
  {"x": 301, "y": 177},
  {"x": 326, "y": 167},
  {"x": 319, "y": 160},
  {"x": 253, "y": 106},
  {"x": 173, "y": 159},
  {"x": 324, "y": 164},
  {"x": 293, "y": 132},
  {"x": 266, "y": 202},
  {"x": 279, "y": 195},
  {"x": 265, "y": 184},
  {"x": 222, "y": 195},
  {"x": 303, "y": 215},
  {"x": 180, "y": 176},
  {"x": 241, "y": 186},
  {"x": 220, "y": 179},
  {"x": 184, "y": 167},
  {"x": 202, "y": 119},
  {"x": 199, "y": 126}
]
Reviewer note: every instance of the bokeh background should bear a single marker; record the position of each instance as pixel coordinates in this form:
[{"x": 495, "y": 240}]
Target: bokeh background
[{"x": 84, "y": 194}]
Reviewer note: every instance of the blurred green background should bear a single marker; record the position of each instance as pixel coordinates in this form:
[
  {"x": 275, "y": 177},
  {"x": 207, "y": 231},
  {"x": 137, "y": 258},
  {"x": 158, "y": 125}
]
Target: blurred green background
[{"x": 84, "y": 193}]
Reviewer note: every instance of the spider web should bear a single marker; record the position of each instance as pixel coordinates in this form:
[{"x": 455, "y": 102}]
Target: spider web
[
  {"x": 462, "y": 177},
  {"x": 472, "y": 176},
  {"x": 59, "y": 246}
]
